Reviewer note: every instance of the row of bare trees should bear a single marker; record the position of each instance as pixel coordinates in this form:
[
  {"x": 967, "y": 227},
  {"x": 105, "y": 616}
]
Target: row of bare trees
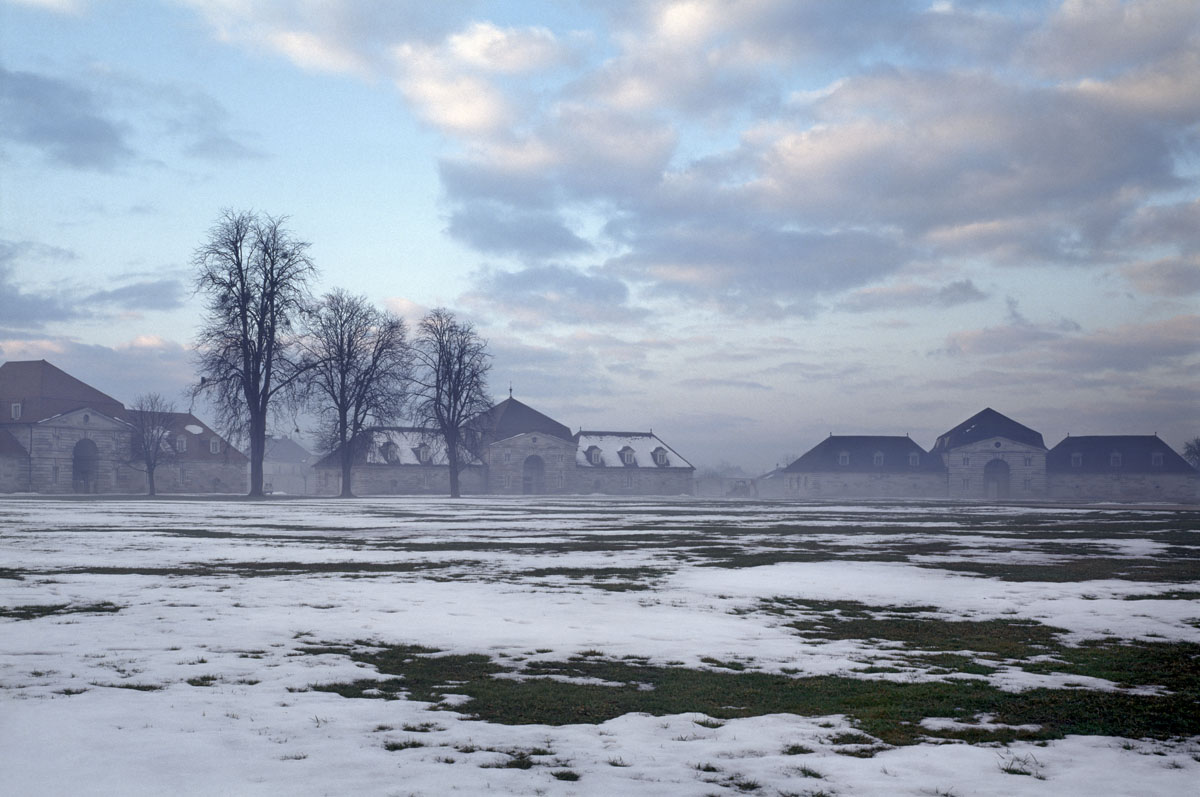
[{"x": 267, "y": 346}]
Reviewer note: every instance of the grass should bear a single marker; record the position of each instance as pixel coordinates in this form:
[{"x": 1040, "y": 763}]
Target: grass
[
  {"x": 32, "y": 612},
  {"x": 885, "y": 712}
]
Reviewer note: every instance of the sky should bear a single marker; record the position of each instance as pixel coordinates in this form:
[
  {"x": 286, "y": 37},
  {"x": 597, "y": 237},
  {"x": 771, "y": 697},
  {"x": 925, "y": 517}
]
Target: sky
[{"x": 743, "y": 224}]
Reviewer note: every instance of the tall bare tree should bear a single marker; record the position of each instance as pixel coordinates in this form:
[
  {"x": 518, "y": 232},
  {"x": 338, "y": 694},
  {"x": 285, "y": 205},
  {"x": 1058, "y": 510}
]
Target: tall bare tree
[
  {"x": 255, "y": 275},
  {"x": 152, "y": 417},
  {"x": 450, "y": 384},
  {"x": 357, "y": 370}
]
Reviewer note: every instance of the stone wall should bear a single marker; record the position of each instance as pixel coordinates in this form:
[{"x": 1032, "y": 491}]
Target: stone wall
[
  {"x": 633, "y": 481},
  {"x": 1155, "y": 487},
  {"x": 399, "y": 480},
  {"x": 865, "y": 485},
  {"x": 52, "y": 450},
  {"x": 14, "y": 474},
  {"x": 966, "y": 468},
  {"x": 506, "y": 461}
]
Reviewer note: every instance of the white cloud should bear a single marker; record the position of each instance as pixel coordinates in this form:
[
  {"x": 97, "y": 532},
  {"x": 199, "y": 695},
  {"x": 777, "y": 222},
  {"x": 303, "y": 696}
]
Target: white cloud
[{"x": 507, "y": 50}]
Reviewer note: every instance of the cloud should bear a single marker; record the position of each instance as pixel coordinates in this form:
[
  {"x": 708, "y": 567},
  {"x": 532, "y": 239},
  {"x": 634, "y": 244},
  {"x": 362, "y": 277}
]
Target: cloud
[
  {"x": 907, "y": 294},
  {"x": 498, "y": 229},
  {"x": 161, "y": 294},
  {"x": 708, "y": 383},
  {"x": 1176, "y": 276},
  {"x": 537, "y": 295},
  {"x": 507, "y": 50},
  {"x": 61, "y": 119}
]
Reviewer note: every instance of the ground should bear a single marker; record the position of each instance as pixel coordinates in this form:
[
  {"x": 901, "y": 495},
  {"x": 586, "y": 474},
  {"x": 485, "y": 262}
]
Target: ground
[{"x": 544, "y": 646}]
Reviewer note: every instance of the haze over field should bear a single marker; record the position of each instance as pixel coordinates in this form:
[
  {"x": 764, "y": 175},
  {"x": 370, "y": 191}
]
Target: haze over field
[{"x": 744, "y": 224}]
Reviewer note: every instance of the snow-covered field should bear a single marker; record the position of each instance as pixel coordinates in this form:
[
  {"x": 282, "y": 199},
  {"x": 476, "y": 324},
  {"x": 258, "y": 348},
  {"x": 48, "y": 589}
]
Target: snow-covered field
[{"x": 167, "y": 647}]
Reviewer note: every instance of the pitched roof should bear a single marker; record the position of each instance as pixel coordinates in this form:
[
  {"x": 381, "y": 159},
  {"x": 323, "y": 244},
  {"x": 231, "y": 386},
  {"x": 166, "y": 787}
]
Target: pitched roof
[
  {"x": 10, "y": 446},
  {"x": 1094, "y": 454},
  {"x": 610, "y": 444},
  {"x": 857, "y": 454},
  {"x": 510, "y": 418},
  {"x": 394, "y": 445},
  {"x": 44, "y": 391},
  {"x": 285, "y": 449},
  {"x": 983, "y": 425}
]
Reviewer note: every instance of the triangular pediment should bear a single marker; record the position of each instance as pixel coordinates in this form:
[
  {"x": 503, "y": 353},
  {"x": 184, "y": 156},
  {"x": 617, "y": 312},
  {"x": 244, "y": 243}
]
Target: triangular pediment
[{"x": 86, "y": 418}]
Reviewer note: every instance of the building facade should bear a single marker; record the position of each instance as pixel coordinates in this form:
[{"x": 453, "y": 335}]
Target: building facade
[
  {"x": 520, "y": 451},
  {"x": 991, "y": 457},
  {"x": 59, "y": 435}
]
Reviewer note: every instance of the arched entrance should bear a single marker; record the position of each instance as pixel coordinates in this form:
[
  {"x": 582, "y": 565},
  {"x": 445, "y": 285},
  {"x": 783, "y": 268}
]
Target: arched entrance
[
  {"x": 85, "y": 467},
  {"x": 533, "y": 476},
  {"x": 996, "y": 477}
]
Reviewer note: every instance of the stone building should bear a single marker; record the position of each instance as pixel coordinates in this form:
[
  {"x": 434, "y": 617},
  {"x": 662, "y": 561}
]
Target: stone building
[
  {"x": 991, "y": 457},
  {"x": 60, "y": 435},
  {"x": 866, "y": 466},
  {"x": 1120, "y": 468},
  {"x": 520, "y": 452},
  {"x": 288, "y": 467}
]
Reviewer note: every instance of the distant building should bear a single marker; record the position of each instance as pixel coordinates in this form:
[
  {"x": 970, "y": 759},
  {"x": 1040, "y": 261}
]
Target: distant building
[
  {"x": 992, "y": 457},
  {"x": 288, "y": 467},
  {"x": 60, "y": 435},
  {"x": 521, "y": 452}
]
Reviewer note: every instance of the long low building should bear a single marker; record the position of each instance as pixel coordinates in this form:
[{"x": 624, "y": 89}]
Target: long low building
[
  {"x": 990, "y": 457},
  {"x": 60, "y": 435},
  {"x": 521, "y": 452}
]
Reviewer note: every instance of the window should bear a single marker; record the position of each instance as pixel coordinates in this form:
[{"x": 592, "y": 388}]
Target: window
[
  {"x": 627, "y": 456},
  {"x": 558, "y": 458},
  {"x": 180, "y": 443},
  {"x": 507, "y": 480},
  {"x": 559, "y": 480},
  {"x": 914, "y": 459},
  {"x": 660, "y": 457},
  {"x": 16, "y": 411},
  {"x": 594, "y": 456},
  {"x": 966, "y": 461},
  {"x": 424, "y": 478},
  {"x": 1028, "y": 484},
  {"x": 1156, "y": 459},
  {"x": 629, "y": 481},
  {"x": 54, "y": 474},
  {"x": 214, "y": 446},
  {"x": 878, "y": 459},
  {"x": 844, "y": 458},
  {"x": 390, "y": 452},
  {"x": 1114, "y": 459},
  {"x": 1076, "y": 460},
  {"x": 507, "y": 456},
  {"x": 423, "y": 453}
]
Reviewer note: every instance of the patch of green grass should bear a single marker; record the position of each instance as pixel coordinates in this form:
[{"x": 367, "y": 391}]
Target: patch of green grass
[
  {"x": 135, "y": 686},
  {"x": 33, "y": 612},
  {"x": 405, "y": 744},
  {"x": 797, "y": 749},
  {"x": 888, "y": 711},
  {"x": 728, "y": 665},
  {"x": 1170, "y": 595},
  {"x": 1083, "y": 569},
  {"x": 565, "y": 774},
  {"x": 202, "y": 680}
]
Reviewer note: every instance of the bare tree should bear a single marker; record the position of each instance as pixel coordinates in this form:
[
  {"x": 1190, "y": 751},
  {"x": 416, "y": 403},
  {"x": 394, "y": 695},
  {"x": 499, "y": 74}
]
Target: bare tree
[
  {"x": 357, "y": 370},
  {"x": 151, "y": 417},
  {"x": 255, "y": 275},
  {"x": 1191, "y": 452},
  {"x": 450, "y": 384}
]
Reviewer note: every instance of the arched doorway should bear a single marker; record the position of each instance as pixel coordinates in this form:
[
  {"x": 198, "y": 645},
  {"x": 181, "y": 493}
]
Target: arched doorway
[
  {"x": 85, "y": 466},
  {"x": 533, "y": 475},
  {"x": 996, "y": 477}
]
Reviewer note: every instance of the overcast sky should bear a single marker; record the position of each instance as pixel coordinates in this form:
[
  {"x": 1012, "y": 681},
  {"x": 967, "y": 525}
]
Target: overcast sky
[{"x": 745, "y": 224}]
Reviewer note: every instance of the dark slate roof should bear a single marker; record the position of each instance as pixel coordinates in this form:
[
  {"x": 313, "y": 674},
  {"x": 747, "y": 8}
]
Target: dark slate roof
[
  {"x": 394, "y": 446},
  {"x": 510, "y": 418},
  {"x": 1095, "y": 455},
  {"x": 10, "y": 446},
  {"x": 285, "y": 449},
  {"x": 45, "y": 391},
  {"x": 826, "y": 456},
  {"x": 983, "y": 425}
]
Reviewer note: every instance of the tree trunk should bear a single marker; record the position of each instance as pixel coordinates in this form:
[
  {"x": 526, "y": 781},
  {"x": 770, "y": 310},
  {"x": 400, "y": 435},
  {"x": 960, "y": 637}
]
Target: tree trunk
[
  {"x": 150, "y": 481},
  {"x": 347, "y": 465},
  {"x": 258, "y": 447},
  {"x": 452, "y": 458}
]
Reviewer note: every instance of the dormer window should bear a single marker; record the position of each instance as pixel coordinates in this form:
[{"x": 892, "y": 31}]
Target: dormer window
[
  {"x": 214, "y": 446},
  {"x": 1114, "y": 459},
  {"x": 1156, "y": 459},
  {"x": 180, "y": 443},
  {"x": 390, "y": 452},
  {"x": 594, "y": 457},
  {"x": 423, "y": 453},
  {"x": 878, "y": 459},
  {"x": 660, "y": 457},
  {"x": 914, "y": 459},
  {"x": 627, "y": 456},
  {"x": 15, "y": 411},
  {"x": 1076, "y": 460},
  {"x": 844, "y": 458}
]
